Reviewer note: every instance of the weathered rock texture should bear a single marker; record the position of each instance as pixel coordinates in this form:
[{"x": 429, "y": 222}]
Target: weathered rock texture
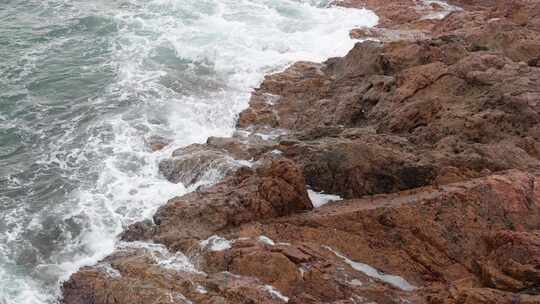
[
  {"x": 450, "y": 241},
  {"x": 432, "y": 135},
  {"x": 272, "y": 190}
]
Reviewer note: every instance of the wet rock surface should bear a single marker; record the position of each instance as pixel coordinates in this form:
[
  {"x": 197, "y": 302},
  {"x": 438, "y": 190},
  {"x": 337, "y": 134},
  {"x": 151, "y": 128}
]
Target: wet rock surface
[
  {"x": 218, "y": 157},
  {"x": 431, "y": 134}
]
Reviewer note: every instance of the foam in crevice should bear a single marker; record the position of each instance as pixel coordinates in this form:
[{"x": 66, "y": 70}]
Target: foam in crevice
[
  {"x": 200, "y": 289},
  {"x": 266, "y": 240},
  {"x": 275, "y": 293},
  {"x": 372, "y": 272},
  {"x": 216, "y": 243},
  {"x": 109, "y": 270},
  {"x": 319, "y": 199},
  {"x": 161, "y": 256},
  {"x": 176, "y": 297}
]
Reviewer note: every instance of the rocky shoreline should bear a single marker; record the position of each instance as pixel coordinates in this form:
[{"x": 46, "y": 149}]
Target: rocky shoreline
[{"x": 425, "y": 136}]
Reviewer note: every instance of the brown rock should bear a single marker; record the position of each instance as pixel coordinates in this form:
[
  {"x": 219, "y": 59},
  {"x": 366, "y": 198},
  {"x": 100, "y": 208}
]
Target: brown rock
[
  {"x": 274, "y": 189},
  {"x": 273, "y": 268},
  {"x": 514, "y": 262},
  {"x": 157, "y": 143},
  {"x": 360, "y": 164},
  {"x": 438, "y": 239},
  {"x": 138, "y": 279}
]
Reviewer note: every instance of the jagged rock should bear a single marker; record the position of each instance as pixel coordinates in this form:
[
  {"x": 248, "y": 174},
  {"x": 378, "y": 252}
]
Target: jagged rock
[
  {"x": 455, "y": 115},
  {"x": 358, "y": 164},
  {"x": 514, "y": 261},
  {"x": 198, "y": 163},
  {"x": 218, "y": 157},
  {"x": 136, "y": 276},
  {"x": 277, "y": 188},
  {"x": 427, "y": 236}
]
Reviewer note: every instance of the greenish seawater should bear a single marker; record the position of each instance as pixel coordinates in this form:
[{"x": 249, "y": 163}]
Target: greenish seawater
[{"x": 84, "y": 82}]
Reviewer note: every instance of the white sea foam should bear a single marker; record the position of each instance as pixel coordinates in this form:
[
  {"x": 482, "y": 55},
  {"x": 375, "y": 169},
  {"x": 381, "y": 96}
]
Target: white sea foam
[
  {"x": 200, "y": 289},
  {"x": 276, "y": 293},
  {"x": 319, "y": 199},
  {"x": 216, "y": 243},
  {"x": 174, "y": 297},
  {"x": 109, "y": 270},
  {"x": 276, "y": 152},
  {"x": 370, "y": 271},
  {"x": 266, "y": 240},
  {"x": 183, "y": 70}
]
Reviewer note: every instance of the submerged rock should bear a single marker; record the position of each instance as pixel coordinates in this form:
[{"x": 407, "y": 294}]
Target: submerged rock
[{"x": 157, "y": 143}]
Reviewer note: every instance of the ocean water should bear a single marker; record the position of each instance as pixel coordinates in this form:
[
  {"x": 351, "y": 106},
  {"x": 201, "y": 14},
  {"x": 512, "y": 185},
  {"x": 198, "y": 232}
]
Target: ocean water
[{"x": 84, "y": 82}]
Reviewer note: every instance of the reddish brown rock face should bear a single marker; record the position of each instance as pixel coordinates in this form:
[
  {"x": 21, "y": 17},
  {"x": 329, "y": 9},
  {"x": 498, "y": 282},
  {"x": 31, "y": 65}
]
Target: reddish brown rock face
[
  {"x": 402, "y": 115},
  {"x": 276, "y": 188},
  {"x": 428, "y": 236},
  {"x": 432, "y": 136},
  {"x": 512, "y": 263},
  {"x": 468, "y": 237}
]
